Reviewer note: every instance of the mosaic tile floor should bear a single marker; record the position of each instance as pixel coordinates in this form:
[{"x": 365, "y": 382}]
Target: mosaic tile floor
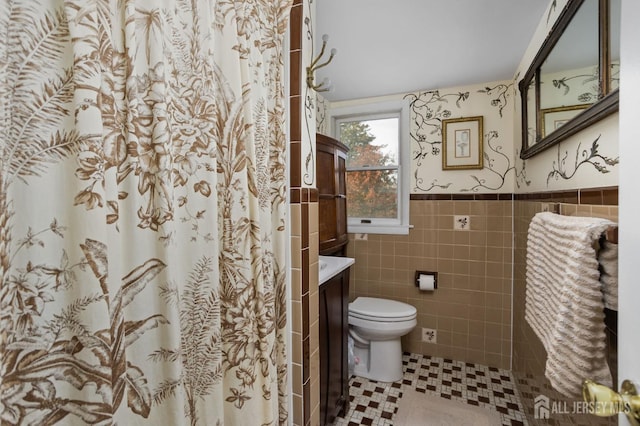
[
  {"x": 530, "y": 387},
  {"x": 374, "y": 403}
]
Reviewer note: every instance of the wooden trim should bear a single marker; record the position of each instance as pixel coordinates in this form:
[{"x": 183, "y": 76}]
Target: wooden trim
[
  {"x": 605, "y": 107},
  {"x": 331, "y": 141}
]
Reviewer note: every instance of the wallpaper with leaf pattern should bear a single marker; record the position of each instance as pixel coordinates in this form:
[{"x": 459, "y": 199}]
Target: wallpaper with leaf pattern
[
  {"x": 428, "y": 109},
  {"x": 142, "y": 206}
]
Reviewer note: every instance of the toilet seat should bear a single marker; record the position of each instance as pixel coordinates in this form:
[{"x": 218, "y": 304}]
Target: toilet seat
[{"x": 375, "y": 309}]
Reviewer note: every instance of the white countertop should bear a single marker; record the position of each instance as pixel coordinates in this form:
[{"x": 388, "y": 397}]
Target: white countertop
[{"x": 330, "y": 266}]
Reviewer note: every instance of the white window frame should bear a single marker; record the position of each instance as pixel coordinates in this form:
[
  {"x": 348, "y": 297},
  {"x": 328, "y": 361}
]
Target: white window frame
[{"x": 371, "y": 111}]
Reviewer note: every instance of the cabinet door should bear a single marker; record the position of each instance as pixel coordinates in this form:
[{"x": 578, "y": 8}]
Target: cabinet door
[
  {"x": 332, "y": 193},
  {"x": 326, "y": 177},
  {"x": 324, "y": 356},
  {"x": 334, "y": 368}
]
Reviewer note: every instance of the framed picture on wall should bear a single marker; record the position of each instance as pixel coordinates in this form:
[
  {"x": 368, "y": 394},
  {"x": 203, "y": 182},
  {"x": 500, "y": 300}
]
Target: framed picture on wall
[{"x": 462, "y": 143}]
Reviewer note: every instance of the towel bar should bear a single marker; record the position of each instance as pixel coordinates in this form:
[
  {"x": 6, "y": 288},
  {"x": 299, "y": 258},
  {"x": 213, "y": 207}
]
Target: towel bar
[{"x": 611, "y": 234}]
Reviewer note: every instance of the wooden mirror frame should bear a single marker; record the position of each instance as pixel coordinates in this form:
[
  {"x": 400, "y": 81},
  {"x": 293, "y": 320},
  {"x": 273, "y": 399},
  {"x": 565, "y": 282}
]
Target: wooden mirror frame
[{"x": 608, "y": 99}]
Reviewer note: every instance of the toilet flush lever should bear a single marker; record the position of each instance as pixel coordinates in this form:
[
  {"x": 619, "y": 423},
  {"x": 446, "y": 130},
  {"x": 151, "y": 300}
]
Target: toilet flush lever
[{"x": 607, "y": 402}]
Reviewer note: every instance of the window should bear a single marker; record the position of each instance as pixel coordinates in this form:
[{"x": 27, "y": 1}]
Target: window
[{"x": 377, "y": 166}]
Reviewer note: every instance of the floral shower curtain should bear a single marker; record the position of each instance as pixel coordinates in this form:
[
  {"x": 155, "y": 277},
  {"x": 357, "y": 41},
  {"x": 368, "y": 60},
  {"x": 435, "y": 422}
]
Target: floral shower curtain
[{"x": 142, "y": 204}]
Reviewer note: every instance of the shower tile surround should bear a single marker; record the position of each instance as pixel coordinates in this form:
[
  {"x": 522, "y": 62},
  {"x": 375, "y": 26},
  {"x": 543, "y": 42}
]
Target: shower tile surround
[
  {"x": 304, "y": 306},
  {"x": 305, "y": 381}
]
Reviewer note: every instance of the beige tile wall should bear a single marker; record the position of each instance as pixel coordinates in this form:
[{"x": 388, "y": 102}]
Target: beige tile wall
[
  {"x": 529, "y": 356},
  {"x": 471, "y": 309},
  {"x": 305, "y": 353},
  {"x": 314, "y": 315}
]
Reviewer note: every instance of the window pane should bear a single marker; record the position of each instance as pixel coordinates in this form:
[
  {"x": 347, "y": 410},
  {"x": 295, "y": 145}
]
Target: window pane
[
  {"x": 371, "y": 142},
  {"x": 372, "y": 194}
]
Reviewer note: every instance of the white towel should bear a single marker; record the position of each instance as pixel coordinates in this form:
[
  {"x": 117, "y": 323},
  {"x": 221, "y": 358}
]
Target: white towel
[
  {"x": 608, "y": 259},
  {"x": 564, "y": 298}
]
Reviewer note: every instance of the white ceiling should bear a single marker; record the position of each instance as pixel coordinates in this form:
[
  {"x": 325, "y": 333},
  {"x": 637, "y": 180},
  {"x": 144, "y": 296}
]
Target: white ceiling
[{"x": 399, "y": 46}]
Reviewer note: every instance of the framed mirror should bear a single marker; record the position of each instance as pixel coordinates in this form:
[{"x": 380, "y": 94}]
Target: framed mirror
[{"x": 573, "y": 80}]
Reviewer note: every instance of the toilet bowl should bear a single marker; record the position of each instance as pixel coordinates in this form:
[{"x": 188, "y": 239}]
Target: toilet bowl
[{"x": 376, "y": 326}]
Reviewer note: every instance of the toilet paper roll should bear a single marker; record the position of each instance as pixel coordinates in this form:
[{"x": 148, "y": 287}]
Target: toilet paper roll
[{"x": 427, "y": 282}]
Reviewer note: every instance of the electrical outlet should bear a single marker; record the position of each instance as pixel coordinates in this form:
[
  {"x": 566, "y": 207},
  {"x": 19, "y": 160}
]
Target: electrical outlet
[{"x": 429, "y": 335}]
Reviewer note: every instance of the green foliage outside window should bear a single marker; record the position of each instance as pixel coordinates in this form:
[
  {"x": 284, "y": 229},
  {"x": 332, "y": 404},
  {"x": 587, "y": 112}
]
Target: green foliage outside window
[{"x": 370, "y": 193}]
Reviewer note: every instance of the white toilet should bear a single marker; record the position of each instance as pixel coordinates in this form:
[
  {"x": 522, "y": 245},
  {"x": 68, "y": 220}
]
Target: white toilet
[{"x": 376, "y": 326}]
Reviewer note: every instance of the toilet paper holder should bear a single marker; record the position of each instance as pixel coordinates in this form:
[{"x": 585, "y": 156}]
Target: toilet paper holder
[{"x": 434, "y": 274}]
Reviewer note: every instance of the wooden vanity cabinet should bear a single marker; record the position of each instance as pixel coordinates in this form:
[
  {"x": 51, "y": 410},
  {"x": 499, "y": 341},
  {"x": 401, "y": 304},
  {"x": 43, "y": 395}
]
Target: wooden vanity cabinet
[
  {"x": 332, "y": 194},
  {"x": 334, "y": 366},
  {"x": 331, "y": 162}
]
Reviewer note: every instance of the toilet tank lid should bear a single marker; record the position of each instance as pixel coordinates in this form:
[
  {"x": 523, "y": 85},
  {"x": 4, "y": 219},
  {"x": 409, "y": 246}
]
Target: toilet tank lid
[{"x": 381, "y": 308}]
